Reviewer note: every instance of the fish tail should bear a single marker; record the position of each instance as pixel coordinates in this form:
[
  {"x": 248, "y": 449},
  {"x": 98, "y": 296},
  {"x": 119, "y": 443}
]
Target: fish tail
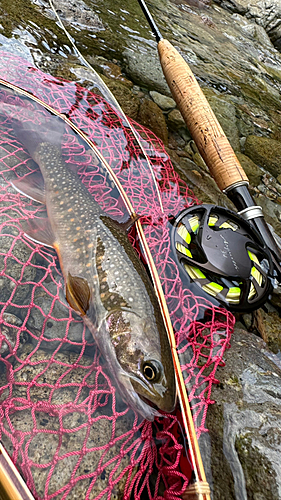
[{"x": 31, "y": 135}]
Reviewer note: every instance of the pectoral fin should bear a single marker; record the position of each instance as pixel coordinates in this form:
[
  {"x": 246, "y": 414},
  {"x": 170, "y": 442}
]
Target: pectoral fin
[
  {"x": 78, "y": 293},
  {"x": 39, "y": 230},
  {"x": 31, "y": 186}
]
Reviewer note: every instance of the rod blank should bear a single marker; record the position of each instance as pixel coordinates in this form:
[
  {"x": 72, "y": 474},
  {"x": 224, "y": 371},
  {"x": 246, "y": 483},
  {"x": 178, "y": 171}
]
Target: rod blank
[{"x": 150, "y": 20}]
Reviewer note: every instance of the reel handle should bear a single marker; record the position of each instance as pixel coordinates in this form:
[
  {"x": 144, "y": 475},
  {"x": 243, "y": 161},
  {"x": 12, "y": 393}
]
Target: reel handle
[{"x": 200, "y": 119}]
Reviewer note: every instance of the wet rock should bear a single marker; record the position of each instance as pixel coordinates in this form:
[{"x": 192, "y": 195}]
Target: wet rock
[
  {"x": 276, "y": 237},
  {"x": 253, "y": 172},
  {"x": 127, "y": 100},
  {"x": 226, "y": 115},
  {"x": 245, "y": 423},
  {"x": 193, "y": 3},
  {"x": 70, "y": 436},
  {"x": 59, "y": 67},
  {"x": 203, "y": 186},
  {"x": 164, "y": 102},
  {"x": 50, "y": 324},
  {"x": 78, "y": 15},
  {"x": 225, "y": 54},
  {"x": 175, "y": 120},
  {"x": 276, "y": 300},
  {"x": 228, "y": 55},
  {"x": 264, "y": 152},
  {"x": 270, "y": 188},
  {"x": 258, "y": 33},
  {"x": 272, "y": 329},
  {"x": 10, "y": 334},
  {"x": 271, "y": 210},
  {"x": 253, "y": 121},
  {"x": 178, "y": 128},
  {"x": 193, "y": 152},
  {"x": 271, "y": 183},
  {"x": 16, "y": 272},
  {"x": 245, "y": 123},
  {"x": 151, "y": 116},
  {"x": 233, "y": 6},
  {"x": 144, "y": 69},
  {"x": 110, "y": 70},
  {"x": 266, "y": 14}
]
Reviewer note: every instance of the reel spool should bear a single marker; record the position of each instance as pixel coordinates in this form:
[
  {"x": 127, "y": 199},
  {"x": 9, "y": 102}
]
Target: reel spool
[{"x": 224, "y": 255}]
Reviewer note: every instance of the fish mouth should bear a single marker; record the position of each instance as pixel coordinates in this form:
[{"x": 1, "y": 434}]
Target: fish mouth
[
  {"x": 148, "y": 402},
  {"x": 167, "y": 409},
  {"x": 155, "y": 399},
  {"x": 139, "y": 404}
]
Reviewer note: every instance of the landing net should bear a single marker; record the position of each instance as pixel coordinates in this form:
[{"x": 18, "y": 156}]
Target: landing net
[{"x": 61, "y": 418}]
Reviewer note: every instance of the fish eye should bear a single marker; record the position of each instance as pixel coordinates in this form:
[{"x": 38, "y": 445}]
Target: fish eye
[{"x": 150, "y": 371}]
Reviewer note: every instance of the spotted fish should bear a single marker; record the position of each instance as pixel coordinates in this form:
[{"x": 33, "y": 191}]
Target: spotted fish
[{"x": 105, "y": 281}]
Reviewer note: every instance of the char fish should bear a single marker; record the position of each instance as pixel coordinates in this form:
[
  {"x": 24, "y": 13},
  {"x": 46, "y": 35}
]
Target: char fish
[{"x": 105, "y": 282}]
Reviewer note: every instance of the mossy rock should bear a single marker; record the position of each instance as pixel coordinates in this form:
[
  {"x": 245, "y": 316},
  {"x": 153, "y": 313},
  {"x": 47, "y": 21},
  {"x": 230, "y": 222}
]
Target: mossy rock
[
  {"x": 127, "y": 100},
  {"x": 151, "y": 116},
  {"x": 253, "y": 172},
  {"x": 264, "y": 152},
  {"x": 257, "y": 469}
]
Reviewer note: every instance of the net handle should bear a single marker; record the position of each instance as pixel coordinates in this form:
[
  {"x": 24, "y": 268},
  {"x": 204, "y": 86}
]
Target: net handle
[
  {"x": 200, "y": 119},
  {"x": 12, "y": 486}
]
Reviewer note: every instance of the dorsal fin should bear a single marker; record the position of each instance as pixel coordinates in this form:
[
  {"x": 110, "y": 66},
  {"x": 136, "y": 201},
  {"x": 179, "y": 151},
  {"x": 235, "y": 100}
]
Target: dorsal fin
[
  {"x": 124, "y": 226},
  {"x": 129, "y": 223}
]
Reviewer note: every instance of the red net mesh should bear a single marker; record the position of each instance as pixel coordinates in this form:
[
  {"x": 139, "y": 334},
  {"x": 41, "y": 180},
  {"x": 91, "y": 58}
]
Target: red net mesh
[{"x": 61, "y": 419}]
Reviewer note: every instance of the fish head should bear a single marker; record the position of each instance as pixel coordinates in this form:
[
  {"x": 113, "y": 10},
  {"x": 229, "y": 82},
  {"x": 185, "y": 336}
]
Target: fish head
[{"x": 145, "y": 359}]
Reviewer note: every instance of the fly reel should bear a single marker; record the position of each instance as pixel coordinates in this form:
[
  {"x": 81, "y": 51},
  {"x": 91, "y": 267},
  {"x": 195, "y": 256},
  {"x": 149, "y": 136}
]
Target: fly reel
[{"x": 224, "y": 255}]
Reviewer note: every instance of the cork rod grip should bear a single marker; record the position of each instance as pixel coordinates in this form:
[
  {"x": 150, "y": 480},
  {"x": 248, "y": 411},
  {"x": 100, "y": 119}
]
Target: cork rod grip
[{"x": 200, "y": 119}]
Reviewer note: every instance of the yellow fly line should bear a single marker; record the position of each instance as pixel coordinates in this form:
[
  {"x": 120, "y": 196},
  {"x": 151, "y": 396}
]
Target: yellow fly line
[{"x": 213, "y": 288}]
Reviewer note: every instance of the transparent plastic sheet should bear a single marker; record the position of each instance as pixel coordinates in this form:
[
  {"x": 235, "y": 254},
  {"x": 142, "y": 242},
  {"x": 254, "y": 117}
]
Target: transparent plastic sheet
[{"x": 61, "y": 418}]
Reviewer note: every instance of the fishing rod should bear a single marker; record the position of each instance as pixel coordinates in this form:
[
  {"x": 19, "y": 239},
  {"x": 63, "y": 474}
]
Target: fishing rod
[{"x": 226, "y": 170}]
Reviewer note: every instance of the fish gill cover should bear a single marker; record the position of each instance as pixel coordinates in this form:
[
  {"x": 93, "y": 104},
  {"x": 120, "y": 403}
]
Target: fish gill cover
[{"x": 61, "y": 418}]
